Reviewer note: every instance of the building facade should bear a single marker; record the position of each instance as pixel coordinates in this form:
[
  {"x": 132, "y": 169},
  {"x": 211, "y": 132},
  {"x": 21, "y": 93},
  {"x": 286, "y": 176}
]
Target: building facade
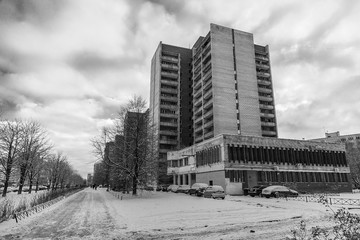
[
  {"x": 232, "y": 86},
  {"x": 237, "y": 162},
  {"x": 223, "y": 85}
]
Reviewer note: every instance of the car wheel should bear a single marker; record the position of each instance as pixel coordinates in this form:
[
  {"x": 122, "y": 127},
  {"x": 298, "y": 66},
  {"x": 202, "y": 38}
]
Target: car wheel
[
  {"x": 277, "y": 194},
  {"x": 252, "y": 195}
]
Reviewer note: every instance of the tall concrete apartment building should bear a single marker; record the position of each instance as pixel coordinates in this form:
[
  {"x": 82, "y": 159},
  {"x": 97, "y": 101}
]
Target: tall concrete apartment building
[
  {"x": 222, "y": 85},
  {"x": 232, "y": 86}
]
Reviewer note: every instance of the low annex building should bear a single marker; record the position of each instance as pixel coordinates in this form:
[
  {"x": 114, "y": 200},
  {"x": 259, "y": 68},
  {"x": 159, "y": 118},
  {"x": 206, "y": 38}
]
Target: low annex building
[{"x": 236, "y": 162}]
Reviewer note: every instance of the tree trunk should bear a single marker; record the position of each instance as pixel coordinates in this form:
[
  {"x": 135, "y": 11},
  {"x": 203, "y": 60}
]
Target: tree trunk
[
  {"x": 22, "y": 178},
  {"x": 30, "y": 186},
  {"x": 7, "y": 177},
  {"x": 37, "y": 185}
]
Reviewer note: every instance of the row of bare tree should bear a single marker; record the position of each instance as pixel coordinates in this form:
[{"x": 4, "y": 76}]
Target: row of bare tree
[
  {"x": 26, "y": 157},
  {"x": 126, "y": 153}
]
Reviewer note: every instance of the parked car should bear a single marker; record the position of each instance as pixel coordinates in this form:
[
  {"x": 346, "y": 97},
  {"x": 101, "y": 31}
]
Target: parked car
[
  {"x": 196, "y": 187},
  {"x": 162, "y": 187},
  {"x": 278, "y": 191},
  {"x": 183, "y": 189},
  {"x": 256, "y": 190},
  {"x": 172, "y": 188},
  {"x": 214, "y": 191}
]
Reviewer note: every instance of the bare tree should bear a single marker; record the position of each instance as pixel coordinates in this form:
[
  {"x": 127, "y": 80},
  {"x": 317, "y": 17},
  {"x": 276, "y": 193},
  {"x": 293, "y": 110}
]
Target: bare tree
[
  {"x": 10, "y": 145},
  {"x": 34, "y": 142},
  {"x": 100, "y": 146},
  {"x": 138, "y": 161}
]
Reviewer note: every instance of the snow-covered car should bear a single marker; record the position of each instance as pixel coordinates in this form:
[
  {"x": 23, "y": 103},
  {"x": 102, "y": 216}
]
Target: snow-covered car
[
  {"x": 278, "y": 191},
  {"x": 198, "y": 187},
  {"x": 256, "y": 190},
  {"x": 183, "y": 189},
  {"x": 214, "y": 191},
  {"x": 172, "y": 188}
]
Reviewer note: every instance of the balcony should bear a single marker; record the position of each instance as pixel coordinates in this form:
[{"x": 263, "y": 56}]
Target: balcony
[
  {"x": 207, "y": 75},
  {"x": 261, "y": 57},
  {"x": 207, "y": 67},
  {"x": 207, "y": 52},
  {"x": 208, "y": 94},
  {"x": 208, "y": 104},
  {"x": 268, "y": 124},
  {"x": 209, "y": 124},
  {"x": 169, "y": 124},
  {"x": 264, "y": 90},
  {"x": 168, "y": 141},
  {"x": 169, "y": 115},
  {"x": 266, "y": 99},
  {"x": 262, "y": 66},
  {"x": 198, "y": 131},
  {"x": 268, "y": 133},
  {"x": 208, "y": 114},
  {"x": 198, "y": 112},
  {"x": 197, "y": 94},
  {"x": 169, "y": 83},
  {"x": 168, "y": 90},
  {"x": 263, "y": 74},
  {"x": 198, "y": 121},
  {"x": 264, "y": 106},
  {"x": 170, "y": 99},
  {"x": 172, "y": 59},
  {"x": 209, "y": 135},
  {"x": 169, "y": 74},
  {"x": 170, "y": 66},
  {"x": 197, "y": 70},
  {"x": 198, "y": 103},
  {"x": 168, "y": 132},
  {"x": 267, "y": 115},
  {"x": 172, "y": 107},
  {"x": 207, "y": 85},
  {"x": 263, "y": 82},
  {"x": 197, "y": 86},
  {"x": 198, "y": 139}
]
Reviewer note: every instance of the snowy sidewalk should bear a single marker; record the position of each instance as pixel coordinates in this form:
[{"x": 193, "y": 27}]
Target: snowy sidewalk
[{"x": 97, "y": 214}]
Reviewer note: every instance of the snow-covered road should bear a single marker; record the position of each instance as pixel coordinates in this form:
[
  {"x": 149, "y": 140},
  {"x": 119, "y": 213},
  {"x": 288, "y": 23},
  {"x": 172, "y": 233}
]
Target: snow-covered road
[{"x": 97, "y": 214}]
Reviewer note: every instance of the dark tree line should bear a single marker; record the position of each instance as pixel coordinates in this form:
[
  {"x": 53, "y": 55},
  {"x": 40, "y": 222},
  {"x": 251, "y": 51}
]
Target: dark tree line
[{"x": 26, "y": 158}]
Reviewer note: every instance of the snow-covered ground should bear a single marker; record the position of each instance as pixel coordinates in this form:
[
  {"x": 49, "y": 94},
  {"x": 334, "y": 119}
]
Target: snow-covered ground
[
  {"x": 17, "y": 199},
  {"x": 97, "y": 214}
]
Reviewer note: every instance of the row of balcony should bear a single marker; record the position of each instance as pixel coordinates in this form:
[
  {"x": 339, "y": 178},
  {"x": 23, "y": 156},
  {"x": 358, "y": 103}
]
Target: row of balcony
[
  {"x": 265, "y": 99},
  {"x": 169, "y": 90},
  {"x": 263, "y": 66},
  {"x": 268, "y": 124},
  {"x": 168, "y": 141},
  {"x": 264, "y": 82},
  {"x": 170, "y": 66},
  {"x": 170, "y": 75},
  {"x": 172, "y": 59},
  {"x": 263, "y": 74},
  {"x": 261, "y": 57},
  {"x": 265, "y": 106},
  {"x": 267, "y": 115},
  {"x": 268, "y": 133},
  {"x": 264, "y": 90},
  {"x": 169, "y": 115},
  {"x": 169, "y": 83}
]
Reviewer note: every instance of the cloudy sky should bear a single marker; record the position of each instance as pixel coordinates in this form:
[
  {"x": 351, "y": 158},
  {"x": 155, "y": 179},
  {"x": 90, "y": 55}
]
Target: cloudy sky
[{"x": 70, "y": 64}]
